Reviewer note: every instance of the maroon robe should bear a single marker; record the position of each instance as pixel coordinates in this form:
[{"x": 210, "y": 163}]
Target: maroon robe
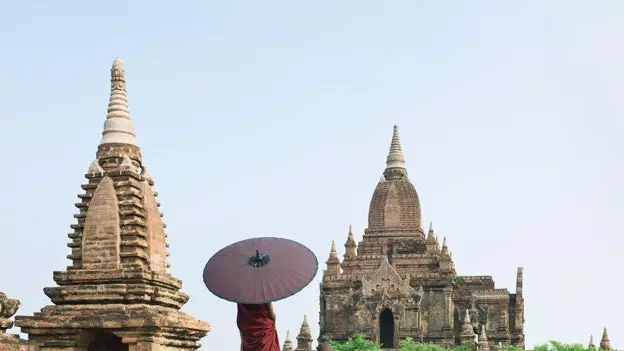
[{"x": 258, "y": 331}]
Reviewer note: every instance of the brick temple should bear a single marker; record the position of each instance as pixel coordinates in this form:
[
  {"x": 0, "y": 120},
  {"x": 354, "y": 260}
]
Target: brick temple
[
  {"x": 117, "y": 294},
  {"x": 399, "y": 282}
]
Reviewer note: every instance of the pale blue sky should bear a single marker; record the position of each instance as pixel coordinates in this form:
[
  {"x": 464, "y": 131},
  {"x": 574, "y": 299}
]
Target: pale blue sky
[{"x": 274, "y": 118}]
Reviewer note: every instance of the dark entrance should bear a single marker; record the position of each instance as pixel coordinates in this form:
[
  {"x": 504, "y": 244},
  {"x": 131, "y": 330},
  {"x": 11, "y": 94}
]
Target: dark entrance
[
  {"x": 386, "y": 329},
  {"x": 107, "y": 342}
]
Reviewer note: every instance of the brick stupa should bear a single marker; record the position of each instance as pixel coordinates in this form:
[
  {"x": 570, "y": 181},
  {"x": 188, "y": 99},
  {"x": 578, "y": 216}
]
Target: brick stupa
[{"x": 117, "y": 294}]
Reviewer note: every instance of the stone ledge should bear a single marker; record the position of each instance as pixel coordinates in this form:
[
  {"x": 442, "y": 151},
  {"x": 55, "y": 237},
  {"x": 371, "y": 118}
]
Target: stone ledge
[{"x": 174, "y": 327}]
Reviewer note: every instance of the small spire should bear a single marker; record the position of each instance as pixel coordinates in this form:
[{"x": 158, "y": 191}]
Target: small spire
[
  {"x": 467, "y": 317},
  {"x": 126, "y": 165},
  {"x": 467, "y": 332},
  {"x": 431, "y": 234},
  {"x": 605, "y": 343},
  {"x": 483, "y": 341},
  {"x": 591, "y": 344},
  {"x": 288, "y": 345},
  {"x": 350, "y": 245},
  {"x": 395, "y": 162},
  {"x": 305, "y": 321},
  {"x": 350, "y": 238},
  {"x": 95, "y": 167},
  {"x": 445, "y": 250},
  {"x": 333, "y": 254},
  {"x": 333, "y": 262},
  {"x": 118, "y": 127}
]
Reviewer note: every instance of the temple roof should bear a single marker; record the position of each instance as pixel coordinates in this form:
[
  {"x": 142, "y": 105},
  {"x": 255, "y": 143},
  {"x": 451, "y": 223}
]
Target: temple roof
[{"x": 395, "y": 203}]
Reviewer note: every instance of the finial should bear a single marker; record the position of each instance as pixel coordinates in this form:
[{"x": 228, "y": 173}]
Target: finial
[
  {"x": 118, "y": 127},
  {"x": 395, "y": 162},
  {"x": 430, "y": 227},
  {"x": 95, "y": 167},
  {"x": 288, "y": 334},
  {"x": 333, "y": 247},
  {"x": 350, "y": 229},
  {"x": 444, "y": 243}
]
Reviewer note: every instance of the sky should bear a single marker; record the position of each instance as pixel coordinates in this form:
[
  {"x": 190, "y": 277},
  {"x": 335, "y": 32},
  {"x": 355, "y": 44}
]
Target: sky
[{"x": 274, "y": 118}]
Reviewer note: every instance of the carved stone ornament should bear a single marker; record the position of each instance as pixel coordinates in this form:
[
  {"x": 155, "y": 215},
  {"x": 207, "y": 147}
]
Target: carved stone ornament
[
  {"x": 389, "y": 284},
  {"x": 8, "y": 307}
]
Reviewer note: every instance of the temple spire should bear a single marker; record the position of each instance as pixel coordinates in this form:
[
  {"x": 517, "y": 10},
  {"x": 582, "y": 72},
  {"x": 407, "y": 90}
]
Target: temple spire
[
  {"x": 395, "y": 162},
  {"x": 333, "y": 262},
  {"x": 467, "y": 332},
  {"x": 445, "y": 249},
  {"x": 350, "y": 245},
  {"x": 591, "y": 344},
  {"x": 304, "y": 339},
  {"x": 118, "y": 128},
  {"x": 483, "y": 341},
  {"x": 605, "y": 343},
  {"x": 288, "y": 345}
]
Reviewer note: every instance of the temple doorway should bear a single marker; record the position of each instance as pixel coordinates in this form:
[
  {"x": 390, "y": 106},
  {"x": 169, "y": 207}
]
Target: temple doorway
[
  {"x": 107, "y": 342},
  {"x": 386, "y": 329}
]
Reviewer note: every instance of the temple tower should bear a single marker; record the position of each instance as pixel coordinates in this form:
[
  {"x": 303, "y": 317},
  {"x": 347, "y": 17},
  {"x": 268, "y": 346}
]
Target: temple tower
[
  {"x": 304, "y": 339},
  {"x": 605, "y": 343},
  {"x": 399, "y": 282},
  {"x": 288, "y": 345},
  {"x": 117, "y": 293}
]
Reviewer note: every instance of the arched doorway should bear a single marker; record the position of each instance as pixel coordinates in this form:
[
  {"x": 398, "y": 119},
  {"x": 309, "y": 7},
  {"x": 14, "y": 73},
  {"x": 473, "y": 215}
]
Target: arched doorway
[
  {"x": 107, "y": 342},
  {"x": 386, "y": 329}
]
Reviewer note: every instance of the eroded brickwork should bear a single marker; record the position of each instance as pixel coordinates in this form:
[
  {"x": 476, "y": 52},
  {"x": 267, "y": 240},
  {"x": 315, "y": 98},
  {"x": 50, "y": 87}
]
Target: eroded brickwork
[{"x": 117, "y": 293}]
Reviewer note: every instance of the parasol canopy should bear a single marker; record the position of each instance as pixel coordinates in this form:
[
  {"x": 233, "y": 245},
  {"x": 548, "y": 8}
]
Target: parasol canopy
[{"x": 260, "y": 270}]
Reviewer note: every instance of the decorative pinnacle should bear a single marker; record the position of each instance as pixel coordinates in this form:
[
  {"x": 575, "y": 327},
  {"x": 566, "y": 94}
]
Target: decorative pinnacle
[
  {"x": 95, "y": 167},
  {"x": 118, "y": 127},
  {"x": 467, "y": 317},
  {"x": 333, "y": 259},
  {"x": 605, "y": 343},
  {"x": 431, "y": 234},
  {"x": 305, "y": 321},
  {"x": 395, "y": 162},
  {"x": 350, "y": 238},
  {"x": 288, "y": 335},
  {"x": 591, "y": 342}
]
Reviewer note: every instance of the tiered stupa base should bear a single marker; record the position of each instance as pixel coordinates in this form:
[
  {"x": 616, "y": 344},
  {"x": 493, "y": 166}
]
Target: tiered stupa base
[{"x": 136, "y": 327}]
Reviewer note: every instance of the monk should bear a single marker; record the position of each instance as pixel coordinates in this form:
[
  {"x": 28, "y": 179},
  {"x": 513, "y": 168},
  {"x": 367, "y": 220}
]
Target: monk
[{"x": 256, "y": 324}]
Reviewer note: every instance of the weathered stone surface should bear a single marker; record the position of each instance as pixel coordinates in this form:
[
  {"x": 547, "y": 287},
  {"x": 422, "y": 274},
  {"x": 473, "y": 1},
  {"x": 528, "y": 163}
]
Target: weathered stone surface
[
  {"x": 397, "y": 283},
  {"x": 117, "y": 294},
  {"x": 10, "y": 342}
]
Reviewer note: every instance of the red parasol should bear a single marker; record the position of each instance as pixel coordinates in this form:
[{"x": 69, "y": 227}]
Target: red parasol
[{"x": 260, "y": 270}]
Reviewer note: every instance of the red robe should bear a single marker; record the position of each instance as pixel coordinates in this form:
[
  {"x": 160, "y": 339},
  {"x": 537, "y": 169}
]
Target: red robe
[{"x": 258, "y": 331}]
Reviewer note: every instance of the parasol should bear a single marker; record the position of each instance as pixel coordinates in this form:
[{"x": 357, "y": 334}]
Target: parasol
[{"x": 260, "y": 270}]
